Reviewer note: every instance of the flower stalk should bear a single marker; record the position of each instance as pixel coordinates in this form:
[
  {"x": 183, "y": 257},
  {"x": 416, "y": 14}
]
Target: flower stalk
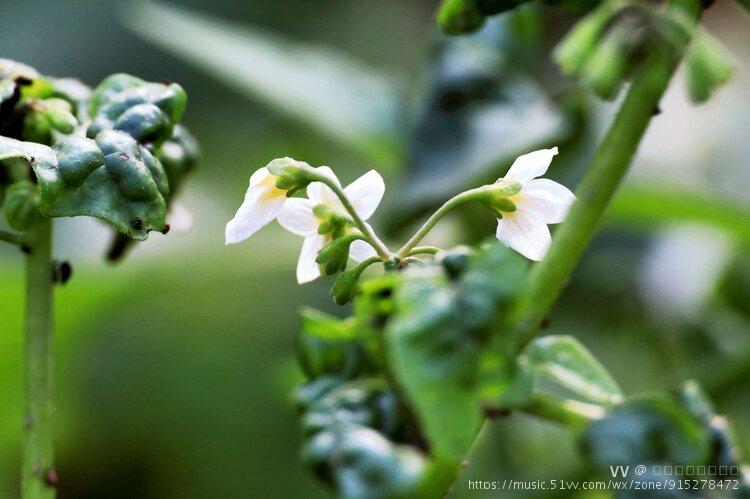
[
  {"x": 38, "y": 475},
  {"x": 369, "y": 235},
  {"x": 11, "y": 238},
  {"x": 599, "y": 185}
]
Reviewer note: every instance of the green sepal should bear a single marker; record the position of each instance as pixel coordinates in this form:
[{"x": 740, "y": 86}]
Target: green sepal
[
  {"x": 21, "y": 205},
  {"x": 146, "y": 111},
  {"x": 457, "y": 17},
  {"x": 291, "y": 175},
  {"x": 707, "y": 67},
  {"x": 334, "y": 256}
]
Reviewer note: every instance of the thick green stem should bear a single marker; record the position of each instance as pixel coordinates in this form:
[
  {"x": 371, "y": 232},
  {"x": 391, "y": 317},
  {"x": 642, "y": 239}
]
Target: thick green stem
[
  {"x": 594, "y": 193},
  {"x": 38, "y": 475}
]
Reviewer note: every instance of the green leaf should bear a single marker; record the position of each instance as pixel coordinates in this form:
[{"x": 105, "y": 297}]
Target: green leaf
[
  {"x": 327, "y": 345},
  {"x": 327, "y": 90},
  {"x": 648, "y": 430},
  {"x": 567, "y": 362},
  {"x": 146, "y": 111},
  {"x": 112, "y": 178},
  {"x": 440, "y": 326}
]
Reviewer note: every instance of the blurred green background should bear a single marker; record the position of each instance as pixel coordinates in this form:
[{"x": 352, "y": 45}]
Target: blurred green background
[{"x": 174, "y": 369}]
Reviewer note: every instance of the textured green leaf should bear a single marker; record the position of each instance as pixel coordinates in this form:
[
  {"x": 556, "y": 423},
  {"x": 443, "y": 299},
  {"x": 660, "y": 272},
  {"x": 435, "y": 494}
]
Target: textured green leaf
[
  {"x": 21, "y": 205},
  {"x": 322, "y": 88},
  {"x": 112, "y": 178},
  {"x": 567, "y": 362},
  {"x": 146, "y": 111}
]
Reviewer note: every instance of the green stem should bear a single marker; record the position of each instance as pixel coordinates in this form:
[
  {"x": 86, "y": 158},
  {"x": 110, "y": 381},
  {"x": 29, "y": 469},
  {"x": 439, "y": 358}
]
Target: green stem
[
  {"x": 38, "y": 475},
  {"x": 424, "y": 250},
  {"x": 11, "y": 237},
  {"x": 380, "y": 248},
  {"x": 594, "y": 193},
  {"x": 483, "y": 193}
]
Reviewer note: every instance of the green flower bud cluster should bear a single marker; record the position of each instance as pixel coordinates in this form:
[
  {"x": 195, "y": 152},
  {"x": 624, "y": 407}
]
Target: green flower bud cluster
[
  {"x": 457, "y": 17},
  {"x": 666, "y": 431},
  {"x": 606, "y": 46},
  {"x": 123, "y": 171}
]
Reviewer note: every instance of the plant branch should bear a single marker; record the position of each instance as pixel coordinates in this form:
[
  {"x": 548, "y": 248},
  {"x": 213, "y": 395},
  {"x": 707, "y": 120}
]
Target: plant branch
[
  {"x": 607, "y": 169},
  {"x": 478, "y": 194},
  {"x": 38, "y": 475},
  {"x": 424, "y": 250},
  {"x": 11, "y": 237}
]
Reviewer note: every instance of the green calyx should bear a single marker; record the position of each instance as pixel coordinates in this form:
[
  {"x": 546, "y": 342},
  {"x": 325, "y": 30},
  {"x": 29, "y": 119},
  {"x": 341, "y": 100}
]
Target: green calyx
[
  {"x": 334, "y": 256},
  {"x": 292, "y": 175},
  {"x": 707, "y": 67},
  {"x": 497, "y": 196}
]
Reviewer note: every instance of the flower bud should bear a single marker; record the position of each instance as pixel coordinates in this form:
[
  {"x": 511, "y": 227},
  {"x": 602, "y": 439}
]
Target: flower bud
[
  {"x": 334, "y": 256},
  {"x": 21, "y": 205},
  {"x": 45, "y": 116},
  {"x": 291, "y": 175},
  {"x": 577, "y": 46},
  {"x": 708, "y": 66},
  {"x": 606, "y": 67},
  {"x": 456, "y": 17},
  {"x": 346, "y": 284}
]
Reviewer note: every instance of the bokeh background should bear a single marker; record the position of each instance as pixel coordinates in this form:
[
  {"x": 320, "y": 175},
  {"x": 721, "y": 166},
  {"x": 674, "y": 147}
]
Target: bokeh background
[{"x": 174, "y": 369}]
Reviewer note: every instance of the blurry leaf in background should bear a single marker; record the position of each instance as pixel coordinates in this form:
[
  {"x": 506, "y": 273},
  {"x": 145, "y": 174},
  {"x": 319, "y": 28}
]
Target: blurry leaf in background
[
  {"x": 480, "y": 111},
  {"x": 325, "y": 89}
]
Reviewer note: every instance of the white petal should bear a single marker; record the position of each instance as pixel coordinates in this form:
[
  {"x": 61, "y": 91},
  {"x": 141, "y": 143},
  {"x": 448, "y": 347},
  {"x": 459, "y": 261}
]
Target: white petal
[
  {"x": 258, "y": 176},
  {"x": 361, "y": 250},
  {"x": 531, "y": 165},
  {"x": 320, "y": 193},
  {"x": 365, "y": 193},
  {"x": 523, "y": 233},
  {"x": 545, "y": 200},
  {"x": 307, "y": 268},
  {"x": 297, "y": 217},
  {"x": 180, "y": 219},
  {"x": 256, "y": 211}
]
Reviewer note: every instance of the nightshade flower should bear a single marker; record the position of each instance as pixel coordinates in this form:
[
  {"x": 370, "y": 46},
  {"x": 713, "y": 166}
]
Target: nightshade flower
[
  {"x": 303, "y": 217},
  {"x": 539, "y": 202},
  {"x": 263, "y": 201}
]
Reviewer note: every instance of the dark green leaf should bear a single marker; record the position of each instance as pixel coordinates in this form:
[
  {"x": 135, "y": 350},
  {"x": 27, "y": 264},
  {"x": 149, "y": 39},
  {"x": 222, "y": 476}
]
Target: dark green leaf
[
  {"x": 21, "y": 205},
  {"x": 653, "y": 430}
]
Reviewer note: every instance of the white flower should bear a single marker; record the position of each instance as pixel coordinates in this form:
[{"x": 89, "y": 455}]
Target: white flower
[
  {"x": 263, "y": 201},
  {"x": 539, "y": 202},
  {"x": 298, "y": 218}
]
